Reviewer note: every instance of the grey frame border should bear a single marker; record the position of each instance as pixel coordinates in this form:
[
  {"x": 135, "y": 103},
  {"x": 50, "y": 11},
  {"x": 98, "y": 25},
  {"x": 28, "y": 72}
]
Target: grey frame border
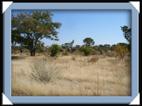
[{"x": 71, "y": 99}]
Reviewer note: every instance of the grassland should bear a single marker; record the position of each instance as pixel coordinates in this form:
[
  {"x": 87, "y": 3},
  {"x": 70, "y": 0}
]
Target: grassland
[{"x": 71, "y": 75}]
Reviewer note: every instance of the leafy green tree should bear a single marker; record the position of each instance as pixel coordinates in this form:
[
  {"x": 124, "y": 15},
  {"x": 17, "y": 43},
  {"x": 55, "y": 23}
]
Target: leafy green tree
[
  {"x": 34, "y": 27},
  {"x": 55, "y": 49},
  {"x": 89, "y": 41}
]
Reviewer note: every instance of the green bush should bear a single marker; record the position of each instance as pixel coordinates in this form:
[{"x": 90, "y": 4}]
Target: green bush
[
  {"x": 55, "y": 50},
  {"x": 87, "y": 50}
]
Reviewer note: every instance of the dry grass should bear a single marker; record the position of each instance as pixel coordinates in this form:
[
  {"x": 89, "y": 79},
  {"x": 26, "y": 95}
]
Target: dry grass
[
  {"x": 74, "y": 75},
  {"x": 73, "y": 58},
  {"x": 93, "y": 59},
  {"x": 42, "y": 72}
]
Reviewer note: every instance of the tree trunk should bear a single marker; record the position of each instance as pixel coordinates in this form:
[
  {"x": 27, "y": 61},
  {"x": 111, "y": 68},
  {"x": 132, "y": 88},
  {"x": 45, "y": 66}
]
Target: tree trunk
[{"x": 32, "y": 52}]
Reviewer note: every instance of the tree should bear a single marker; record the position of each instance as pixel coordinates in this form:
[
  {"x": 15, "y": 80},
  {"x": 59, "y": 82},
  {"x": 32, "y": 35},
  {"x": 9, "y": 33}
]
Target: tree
[
  {"x": 16, "y": 39},
  {"x": 127, "y": 33},
  {"x": 40, "y": 47},
  {"x": 89, "y": 41},
  {"x": 33, "y": 27}
]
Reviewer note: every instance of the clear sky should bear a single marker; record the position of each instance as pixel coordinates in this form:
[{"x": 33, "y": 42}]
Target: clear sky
[{"x": 101, "y": 25}]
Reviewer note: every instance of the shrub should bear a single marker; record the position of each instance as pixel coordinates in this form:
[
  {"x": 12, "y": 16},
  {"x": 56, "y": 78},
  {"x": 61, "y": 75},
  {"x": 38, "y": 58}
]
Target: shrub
[
  {"x": 42, "y": 72},
  {"x": 87, "y": 50},
  {"x": 121, "y": 50},
  {"x": 54, "y": 50}
]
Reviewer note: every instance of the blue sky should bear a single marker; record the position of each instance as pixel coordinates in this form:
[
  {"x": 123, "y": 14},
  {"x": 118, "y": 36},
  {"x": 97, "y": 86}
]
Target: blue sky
[{"x": 101, "y": 25}]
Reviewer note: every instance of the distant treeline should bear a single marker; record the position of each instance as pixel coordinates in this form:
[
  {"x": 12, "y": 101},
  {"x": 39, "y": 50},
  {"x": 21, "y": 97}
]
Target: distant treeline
[{"x": 121, "y": 50}]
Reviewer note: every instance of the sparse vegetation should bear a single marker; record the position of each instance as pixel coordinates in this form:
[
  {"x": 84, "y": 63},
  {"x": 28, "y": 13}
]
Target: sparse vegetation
[
  {"x": 73, "y": 78},
  {"x": 94, "y": 74}
]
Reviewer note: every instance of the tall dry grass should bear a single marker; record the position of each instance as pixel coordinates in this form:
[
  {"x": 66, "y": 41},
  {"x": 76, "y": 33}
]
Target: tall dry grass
[
  {"x": 43, "y": 72},
  {"x": 74, "y": 76}
]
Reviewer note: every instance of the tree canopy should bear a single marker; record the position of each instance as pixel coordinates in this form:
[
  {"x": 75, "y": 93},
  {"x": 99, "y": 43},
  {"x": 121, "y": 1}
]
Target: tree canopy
[
  {"x": 89, "y": 41},
  {"x": 34, "y": 27},
  {"x": 127, "y": 33}
]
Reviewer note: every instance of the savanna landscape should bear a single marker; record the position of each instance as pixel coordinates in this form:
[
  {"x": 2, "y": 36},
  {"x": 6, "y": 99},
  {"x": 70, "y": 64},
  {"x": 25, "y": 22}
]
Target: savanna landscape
[{"x": 66, "y": 67}]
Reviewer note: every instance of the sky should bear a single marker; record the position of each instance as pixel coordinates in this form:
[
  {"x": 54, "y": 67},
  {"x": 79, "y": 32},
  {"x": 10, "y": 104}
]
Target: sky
[{"x": 101, "y": 25}]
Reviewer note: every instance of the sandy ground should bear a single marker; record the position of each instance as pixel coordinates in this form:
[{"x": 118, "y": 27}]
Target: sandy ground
[{"x": 75, "y": 76}]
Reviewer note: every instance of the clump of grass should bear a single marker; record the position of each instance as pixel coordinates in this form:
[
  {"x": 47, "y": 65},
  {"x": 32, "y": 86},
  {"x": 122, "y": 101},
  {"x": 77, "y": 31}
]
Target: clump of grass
[
  {"x": 93, "y": 60},
  {"x": 43, "y": 72},
  {"x": 73, "y": 58}
]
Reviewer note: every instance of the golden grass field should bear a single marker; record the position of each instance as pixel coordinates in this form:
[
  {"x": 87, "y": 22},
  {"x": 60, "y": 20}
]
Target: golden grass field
[{"x": 71, "y": 76}]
